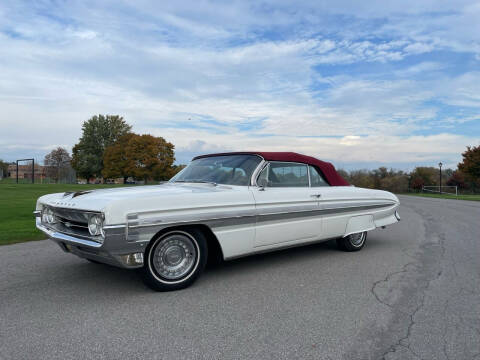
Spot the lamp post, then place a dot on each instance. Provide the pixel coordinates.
(440, 166)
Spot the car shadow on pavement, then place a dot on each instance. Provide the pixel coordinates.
(100, 276)
(294, 256)
(263, 261)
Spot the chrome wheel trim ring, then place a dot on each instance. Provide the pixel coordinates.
(174, 257)
(357, 239)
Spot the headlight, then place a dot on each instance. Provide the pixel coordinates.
(48, 217)
(44, 215)
(95, 225)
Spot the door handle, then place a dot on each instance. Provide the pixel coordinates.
(316, 196)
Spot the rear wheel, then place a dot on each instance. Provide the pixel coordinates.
(175, 259)
(352, 242)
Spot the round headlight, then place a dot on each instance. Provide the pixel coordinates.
(95, 225)
(50, 216)
(44, 215)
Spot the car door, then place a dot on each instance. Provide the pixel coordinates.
(330, 203)
(286, 206)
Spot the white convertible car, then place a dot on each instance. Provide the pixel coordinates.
(221, 206)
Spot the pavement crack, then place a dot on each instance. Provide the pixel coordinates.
(418, 275)
(386, 280)
(445, 331)
(403, 342)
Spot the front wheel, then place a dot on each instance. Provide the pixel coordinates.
(175, 260)
(352, 242)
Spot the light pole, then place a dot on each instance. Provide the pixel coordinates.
(440, 166)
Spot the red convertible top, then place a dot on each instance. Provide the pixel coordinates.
(328, 170)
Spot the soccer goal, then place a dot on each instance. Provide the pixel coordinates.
(25, 172)
(444, 189)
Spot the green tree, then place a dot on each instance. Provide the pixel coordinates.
(422, 175)
(470, 166)
(98, 133)
(378, 175)
(396, 183)
(362, 178)
(140, 156)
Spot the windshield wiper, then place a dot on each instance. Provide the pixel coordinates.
(197, 182)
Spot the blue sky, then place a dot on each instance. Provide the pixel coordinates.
(362, 84)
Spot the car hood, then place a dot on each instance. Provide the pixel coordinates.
(145, 198)
(120, 193)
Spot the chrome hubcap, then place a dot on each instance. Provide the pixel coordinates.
(357, 239)
(174, 256)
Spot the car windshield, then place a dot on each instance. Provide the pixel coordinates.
(226, 169)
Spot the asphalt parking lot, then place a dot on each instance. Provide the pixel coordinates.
(413, 292)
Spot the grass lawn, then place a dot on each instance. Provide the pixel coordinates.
(447, 196)
(17, 203)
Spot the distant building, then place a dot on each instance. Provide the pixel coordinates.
(25, 172)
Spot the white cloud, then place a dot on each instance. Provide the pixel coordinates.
(418, 48)
(85, 34)
(421, 68)
(463, 90)
(268, 74)
(394, 151)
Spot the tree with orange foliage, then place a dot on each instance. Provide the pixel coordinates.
(139, 156)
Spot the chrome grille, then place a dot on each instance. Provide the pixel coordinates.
(71, 222)
(76, 216)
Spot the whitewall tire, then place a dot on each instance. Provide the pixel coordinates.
(352, 242)
(175, 259)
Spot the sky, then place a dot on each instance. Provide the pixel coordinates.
(359, 83)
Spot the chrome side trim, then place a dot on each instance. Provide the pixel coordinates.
(329, 205)
(187, 219)
(254, 216)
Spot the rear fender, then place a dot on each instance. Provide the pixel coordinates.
(357, 224)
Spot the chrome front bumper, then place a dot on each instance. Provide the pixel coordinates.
(115, 250)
